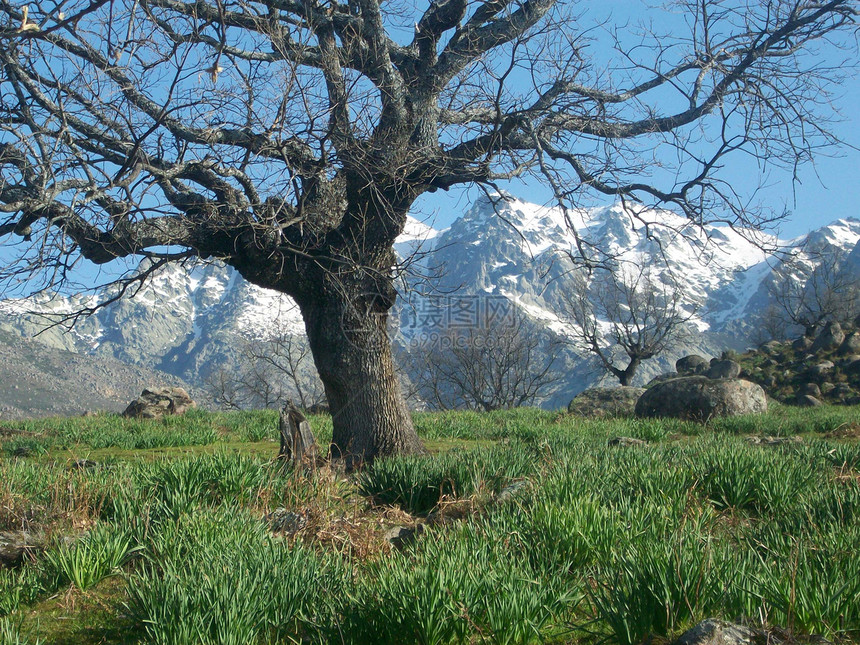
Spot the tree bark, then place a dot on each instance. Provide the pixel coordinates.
(626, 376)
(297, 440)
(349, 340)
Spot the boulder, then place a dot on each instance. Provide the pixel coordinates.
(768, 440)
(154, 404)
(807, 401)
(15, 546)
(402, 536)
(853, 367)
(830, 338)
(283, 521)
(692, 364)
(843, 390)
(802, 344)
(851, 344)
(662, 378)
(626, 441)
(701, 398)
(726, 368)
(606, 402)
(821, 368)
(811, 389)
(826, 387)
(718, 632)
(772, 347)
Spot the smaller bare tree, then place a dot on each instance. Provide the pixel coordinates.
(810, 289)
(771, 325)
(487, 367)
(624, 311)
(224, 390)
(286, 358)
(273, 370)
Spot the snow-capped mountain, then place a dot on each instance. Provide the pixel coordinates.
(183, 321)
(522, 251)
(191, 320)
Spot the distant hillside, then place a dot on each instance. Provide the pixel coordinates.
(43, 381)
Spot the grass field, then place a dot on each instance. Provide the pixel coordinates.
(534, 531)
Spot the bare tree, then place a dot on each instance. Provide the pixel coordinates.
(271, 372)
(285, 359)
(491, 366)
(289, 139)
(771, 325)
(223, 389)
(625, 309)
(810, 289)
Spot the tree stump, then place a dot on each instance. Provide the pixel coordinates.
(297, 441)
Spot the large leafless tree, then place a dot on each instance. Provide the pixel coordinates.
(625, 315)
(289, 138)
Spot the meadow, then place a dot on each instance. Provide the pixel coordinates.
(534, 529)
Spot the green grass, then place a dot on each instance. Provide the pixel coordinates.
(167, 543)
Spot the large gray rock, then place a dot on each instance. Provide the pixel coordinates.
(692, 364)
(606, 402)
(718, 632)
(155, 404)
(830, 338)
(701, 398)
(724, 369)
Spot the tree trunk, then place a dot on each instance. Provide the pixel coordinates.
(626, 376)
(352, 352)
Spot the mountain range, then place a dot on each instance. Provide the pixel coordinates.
(191, 320)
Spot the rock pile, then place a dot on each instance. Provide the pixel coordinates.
(807, 371)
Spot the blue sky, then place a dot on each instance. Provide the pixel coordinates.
(824, 191)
